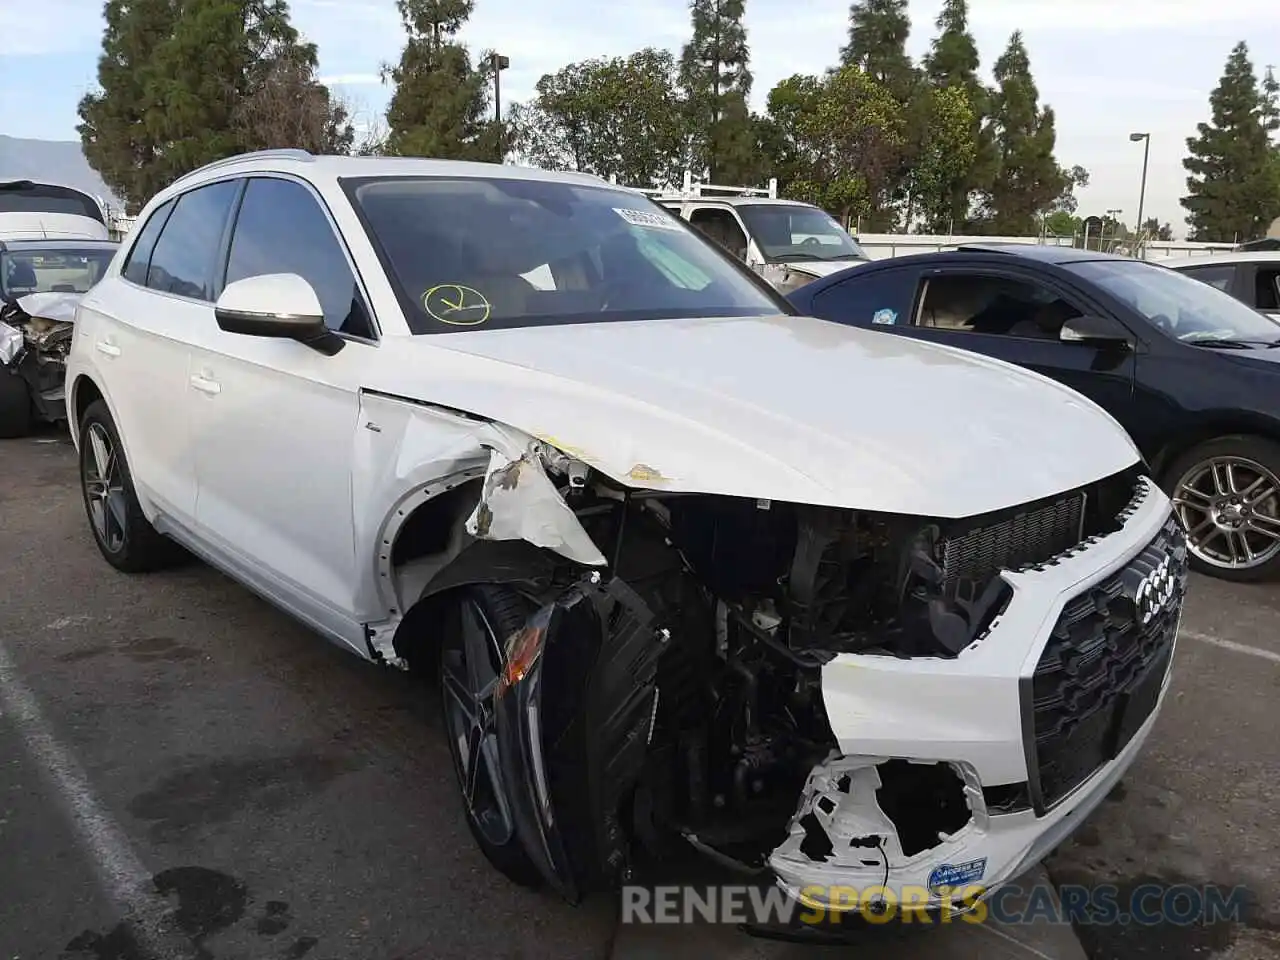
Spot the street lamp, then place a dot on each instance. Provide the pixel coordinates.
(1145, 138)
(498, 63)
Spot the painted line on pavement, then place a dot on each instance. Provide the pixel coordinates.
(120, 871)
(1231, 645)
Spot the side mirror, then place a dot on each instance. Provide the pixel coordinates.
(1099, 331)
(276, 305)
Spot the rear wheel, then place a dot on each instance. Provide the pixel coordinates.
(15, 405)
(471, 656)
(124, 535)
(1226, 493)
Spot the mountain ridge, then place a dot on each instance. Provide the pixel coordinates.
(54, 161)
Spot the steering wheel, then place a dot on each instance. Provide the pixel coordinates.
(1162, 321)
(810, 242)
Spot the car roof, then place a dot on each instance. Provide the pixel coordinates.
(1259, 256)
(58, 244)
(1042, 252)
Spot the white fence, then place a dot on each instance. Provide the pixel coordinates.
(881, 246)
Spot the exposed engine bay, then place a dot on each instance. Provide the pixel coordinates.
(35, 338)
(713, 722)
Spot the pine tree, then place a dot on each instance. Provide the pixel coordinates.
(878, 32)
(1029, 182)
(441, 102)
(716, 81)
(113, 130)
(953, 61)
(1233, 192)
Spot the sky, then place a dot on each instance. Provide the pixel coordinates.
(1108, 68)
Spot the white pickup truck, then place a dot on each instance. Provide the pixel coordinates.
(787, 242)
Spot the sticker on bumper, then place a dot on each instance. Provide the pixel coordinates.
(957, 874)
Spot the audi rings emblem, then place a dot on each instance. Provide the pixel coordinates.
(1155, 590)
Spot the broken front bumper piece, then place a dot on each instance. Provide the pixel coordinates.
(954, 777)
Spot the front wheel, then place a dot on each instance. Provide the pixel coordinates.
(15, 405)
(1226, 493)
(471, 656)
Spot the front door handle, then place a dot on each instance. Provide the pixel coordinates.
(110, 349)
(205, 385)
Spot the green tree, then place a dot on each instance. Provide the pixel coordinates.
(622, 117)
(779, 133)
(186, 83)
(113, 129)
(716, 81)
(1029, 182)
(851, 135)
(1233, 191)
(944, 160)
(952, 61)
(440, 107)
(878, 33)
(1061, 223)
(1155, 230)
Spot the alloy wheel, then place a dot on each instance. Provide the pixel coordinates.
(469, 677)
(1230, 508)
(104, 490)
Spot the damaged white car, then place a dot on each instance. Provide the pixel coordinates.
(836, 608)
(41, 282)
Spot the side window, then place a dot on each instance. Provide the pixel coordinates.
(135, 268)
(1219, 275)
(880, 298)
(997, 306)
(722, 227)
(185, 256)
(1267, 286)
(282, 229)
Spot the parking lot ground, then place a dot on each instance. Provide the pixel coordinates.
(172, 746)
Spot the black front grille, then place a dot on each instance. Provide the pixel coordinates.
(1030, 536)
(1101, 672)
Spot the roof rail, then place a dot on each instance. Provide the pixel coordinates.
(692, 191)
(283, 153)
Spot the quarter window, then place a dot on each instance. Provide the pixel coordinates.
(282, 229)
(135, 269)
(1219, 276)
(882, 298)
(722, 227)
(1267, 290)
(999, 306)
(184, 257)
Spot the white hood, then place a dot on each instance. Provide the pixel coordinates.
(821, 268)
(783, 408)
(50, 226)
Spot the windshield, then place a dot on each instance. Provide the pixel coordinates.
(473, 253)
(23, 196)
(785, 232)
(61, 269)
(1180, 306)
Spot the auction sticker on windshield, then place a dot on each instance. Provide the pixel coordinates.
(644, 218)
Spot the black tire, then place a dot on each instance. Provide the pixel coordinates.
(1242, 451)
(16, 415)
(505, 611)
(138, 548)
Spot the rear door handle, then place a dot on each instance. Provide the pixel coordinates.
(110, 349)
(205, 385)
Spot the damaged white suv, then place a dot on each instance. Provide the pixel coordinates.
(840, 608)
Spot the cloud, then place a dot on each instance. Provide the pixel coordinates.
(351, 79)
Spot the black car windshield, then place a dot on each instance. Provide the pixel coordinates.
(792, 232)
(29, 268)
(1181, 306)
(24, 196)
(485, 253)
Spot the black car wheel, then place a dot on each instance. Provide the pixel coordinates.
(124, 535)
(1226, 493)
(471, 657)
(15, 405)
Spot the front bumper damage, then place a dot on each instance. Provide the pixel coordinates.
(1036, 722)
(35, 338)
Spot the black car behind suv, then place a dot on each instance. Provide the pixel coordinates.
(1192, 373)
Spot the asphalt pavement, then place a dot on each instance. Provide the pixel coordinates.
(176, 753)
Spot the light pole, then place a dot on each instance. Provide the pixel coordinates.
(498, 63)
(1145, 138)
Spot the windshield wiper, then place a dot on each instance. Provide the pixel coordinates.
(1224, 343)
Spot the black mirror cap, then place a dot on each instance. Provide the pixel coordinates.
(310, 331)
(1094, 330)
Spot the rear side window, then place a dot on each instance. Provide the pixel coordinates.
(135, 268)
(883, 298)
(185, 256)
(1219, 276)
(282, 229)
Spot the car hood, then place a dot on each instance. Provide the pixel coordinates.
(781, 408)
(820, 268)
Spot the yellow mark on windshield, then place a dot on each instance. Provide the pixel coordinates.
(456, 305)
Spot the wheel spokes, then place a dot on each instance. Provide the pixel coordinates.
(1228, 506)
